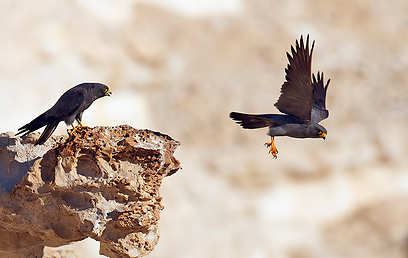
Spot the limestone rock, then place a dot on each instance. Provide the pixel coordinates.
(101, 182)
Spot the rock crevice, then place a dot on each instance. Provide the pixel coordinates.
(101, 182)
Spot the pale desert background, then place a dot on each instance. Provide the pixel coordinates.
(179, 67)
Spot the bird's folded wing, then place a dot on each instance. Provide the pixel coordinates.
(68, 103)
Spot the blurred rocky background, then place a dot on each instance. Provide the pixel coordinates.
(179, 67)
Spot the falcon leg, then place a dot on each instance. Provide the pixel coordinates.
(272, 148)
(74, 129)
(81, 125)
(79, 121)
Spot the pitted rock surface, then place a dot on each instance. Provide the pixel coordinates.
(101, 182)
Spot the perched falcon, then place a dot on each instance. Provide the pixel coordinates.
(69, 107)
(302, 100)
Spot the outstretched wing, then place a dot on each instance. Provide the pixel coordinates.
(296, 97)
(319, 111)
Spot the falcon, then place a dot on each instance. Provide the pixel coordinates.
(69, 107)
(302, 101)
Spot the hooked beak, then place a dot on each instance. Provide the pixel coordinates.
(108, 93)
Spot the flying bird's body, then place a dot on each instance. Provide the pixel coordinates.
(302, 100)
(69, 107)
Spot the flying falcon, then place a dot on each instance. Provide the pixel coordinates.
(302, 100)
(69, 107)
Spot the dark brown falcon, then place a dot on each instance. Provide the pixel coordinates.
(69, 107)
(302, 100)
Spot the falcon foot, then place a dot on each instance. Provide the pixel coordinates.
(272, 148)
(74, 128)
(77, 128)
(80, 126)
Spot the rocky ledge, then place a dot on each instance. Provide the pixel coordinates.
(101, 182)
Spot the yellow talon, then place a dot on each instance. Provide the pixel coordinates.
(78, 128)
(272, 148)
(80, 123)
(81, 126)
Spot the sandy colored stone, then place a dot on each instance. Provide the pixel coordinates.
(378, 230)
(59, 254)
(102, 182)
(184, 75)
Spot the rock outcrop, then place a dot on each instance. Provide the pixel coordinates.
(101, 182)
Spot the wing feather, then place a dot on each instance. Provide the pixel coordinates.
(319, 111)
(296, 97)
(68, 103)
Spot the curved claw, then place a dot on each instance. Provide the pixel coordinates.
(74, 128)
(272, 148)
(79, 127)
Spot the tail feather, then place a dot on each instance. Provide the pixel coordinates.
(248, 121)
(47, 132)
(37, 123)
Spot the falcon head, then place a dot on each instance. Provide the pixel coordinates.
(106, 91)
(317, 131)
